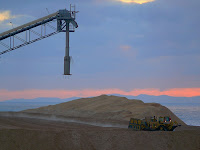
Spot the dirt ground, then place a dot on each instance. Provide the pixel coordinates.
(37, 134)
(98, 123)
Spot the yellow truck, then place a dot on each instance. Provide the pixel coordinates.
(153, 124)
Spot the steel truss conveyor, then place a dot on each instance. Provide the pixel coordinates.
(61, 21)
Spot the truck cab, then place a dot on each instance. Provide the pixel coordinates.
(164, 120)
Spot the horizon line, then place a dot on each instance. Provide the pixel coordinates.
(63, 94)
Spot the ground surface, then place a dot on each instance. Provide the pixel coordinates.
(98, 123)
(36, 134)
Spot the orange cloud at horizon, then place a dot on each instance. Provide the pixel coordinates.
(136, 1)
(31, 94)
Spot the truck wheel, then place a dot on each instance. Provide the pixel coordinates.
(161, 128)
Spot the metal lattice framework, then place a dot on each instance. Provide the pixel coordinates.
(61, 21)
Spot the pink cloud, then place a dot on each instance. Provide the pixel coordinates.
(30, 94)
(125, 47)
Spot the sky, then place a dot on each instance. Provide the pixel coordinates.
(128, 47)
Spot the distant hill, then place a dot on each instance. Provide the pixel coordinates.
(40, 100)
(146, 98)
(163, 99)
(23, 104)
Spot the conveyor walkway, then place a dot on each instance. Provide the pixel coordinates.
(61, 21)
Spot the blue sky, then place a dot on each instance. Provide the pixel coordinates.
(118, 45)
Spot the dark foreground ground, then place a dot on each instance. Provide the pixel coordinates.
(37, 134)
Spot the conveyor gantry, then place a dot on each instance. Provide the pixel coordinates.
(63, 19)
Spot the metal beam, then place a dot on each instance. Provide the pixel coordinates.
(28, 26)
